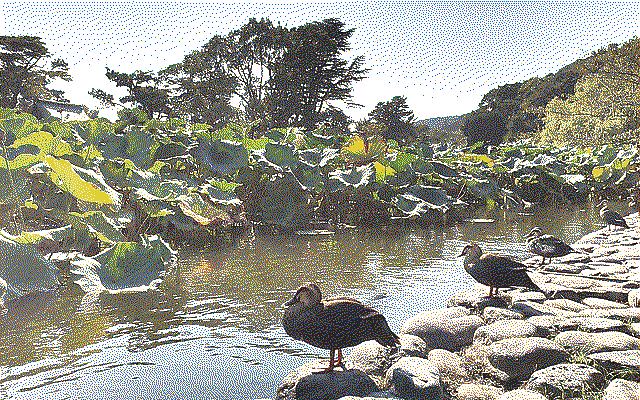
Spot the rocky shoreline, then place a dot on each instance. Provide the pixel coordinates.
(581, 339)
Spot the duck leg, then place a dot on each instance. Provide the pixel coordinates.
(331, 364)
(339, 360)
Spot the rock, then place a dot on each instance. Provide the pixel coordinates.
(578, 287)
(518, 358)
(493, 314)
(442, 329)
(590, 324)
(372, 396)
(589, 343)
(634, 298)
(547, 325)
(371, 358)
(621, 389)
(472, 391)
(303, 383)
(522, 394)
(602, 303)
(631, 314)
(618, 360)
(634, 329)
(451, 366)
(415, 378)
(517, 295)
(476, 299)
(529, 309)
(413, 346)
(566, 380)
(565, 304)
(500, 330)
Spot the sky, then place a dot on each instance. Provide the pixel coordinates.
(443, 56)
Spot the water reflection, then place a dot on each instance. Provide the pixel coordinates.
(214, 329)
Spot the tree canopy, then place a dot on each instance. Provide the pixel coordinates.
(397, 119)
(27, 69)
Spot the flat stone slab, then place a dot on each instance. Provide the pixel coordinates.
(415, 378)
(631, 314)
(530, 308)
(472, 391)
(628, 359)
(566, 380)
(547, 325)
(592, 302)
(412, 346)
(621, 389)
(449, 329)
(518, 358)
(522, 394)
(518, 295)
(566, 304)
(305, 383)
(590, 324)
(493, 314)
(476, 299)
(504, 329)
(590, 343)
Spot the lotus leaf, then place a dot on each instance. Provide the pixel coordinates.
(383, 171)
(435, 197)
(221, 192)
(124, 266)
(355, 177)
(24, 269)
(221, 157)
(443, 170)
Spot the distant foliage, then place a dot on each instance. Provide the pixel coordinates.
(397, 119)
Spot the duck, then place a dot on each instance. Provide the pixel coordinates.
(546, 246)
(334, 324)
(611, 217)
(495, 271)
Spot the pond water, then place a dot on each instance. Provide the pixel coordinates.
(214, 331)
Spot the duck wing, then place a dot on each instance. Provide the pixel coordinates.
(613, 218)
(550, 246)
(502, 271)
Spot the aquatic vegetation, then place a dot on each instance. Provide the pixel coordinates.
(105, 198)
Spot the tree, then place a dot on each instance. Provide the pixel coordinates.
(486, 127)
(202, 85)
(313, 73)
(397, 119)
(26, 69)
(146, 90)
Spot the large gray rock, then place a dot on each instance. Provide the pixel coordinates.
(634, 298)
(475, 299)
(565, 304)
(505, 329)
(547, 325)
(473, 391)
(415, 378)
(618, 360)
(602, 303)
(590, 324)
(522, 394)
(621, 389)
(530, 308)
(493, 314)
(634, 329)
(413, 346)
(451, 366)
(371, 358)
(589, 343)
(444, 329)
(566, 380)
(306, 383)
(518, 295)
(631, 314)
(518, 358)
(373, 396)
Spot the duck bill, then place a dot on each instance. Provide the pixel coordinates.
(290, 302)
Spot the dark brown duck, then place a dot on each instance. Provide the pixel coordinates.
(334, 324)
(495, 271)
(611, 217)
(547, 246)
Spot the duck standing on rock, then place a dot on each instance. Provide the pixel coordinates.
(547, 246)
(611, 217)
(495, 271)
(334, 324)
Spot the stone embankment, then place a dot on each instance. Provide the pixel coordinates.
(580, 339)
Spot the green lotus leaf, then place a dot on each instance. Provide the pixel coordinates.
(124, 266)
(435, 197)
(221, 192)
(443, 170)
(202, 212)
(96, 223)
(24, 269)
(221, 157)
(356, 177)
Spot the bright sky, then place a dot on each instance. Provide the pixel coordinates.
(442, 55)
